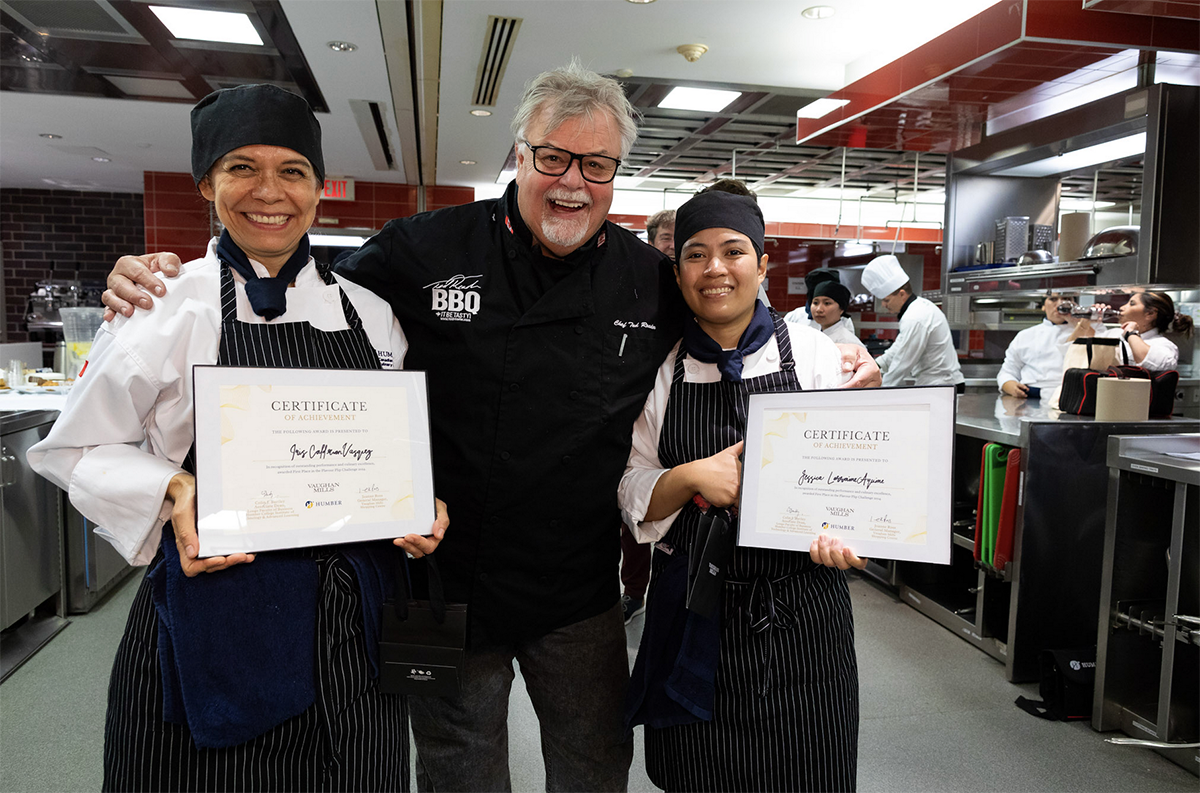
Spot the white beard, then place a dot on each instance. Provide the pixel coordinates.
(567, 232)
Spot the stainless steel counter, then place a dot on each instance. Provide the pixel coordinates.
(1146, 655)
(1005, 419)
(1057, 535)
(32, 606)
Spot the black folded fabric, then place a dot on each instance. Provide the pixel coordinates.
(267, 296)
(701, 346)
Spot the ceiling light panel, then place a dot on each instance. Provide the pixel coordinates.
(199, 25)
(707, 100)
(820, 107)
(1081, 158)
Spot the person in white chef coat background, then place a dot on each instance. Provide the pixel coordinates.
(252, 671)
(924, 349)
(1034, 359)
(1144, 319)
(828, 301)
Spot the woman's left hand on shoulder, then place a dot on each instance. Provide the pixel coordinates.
(830, 552)
(416, 545)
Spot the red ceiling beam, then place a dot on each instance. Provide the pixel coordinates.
(936, 97)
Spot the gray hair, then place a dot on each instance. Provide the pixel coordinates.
(572, 91)
(656, 221)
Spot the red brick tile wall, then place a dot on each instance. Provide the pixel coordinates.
(178, 218)
(66, 232)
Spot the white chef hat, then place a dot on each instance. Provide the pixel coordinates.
(884, 275)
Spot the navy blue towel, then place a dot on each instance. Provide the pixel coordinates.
(674, 677)
(237, 646)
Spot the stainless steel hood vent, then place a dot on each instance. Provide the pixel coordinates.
(370, 117)
(493, 60)
(981, 188)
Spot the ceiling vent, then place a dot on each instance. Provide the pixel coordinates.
(370, 117)
(497, 47)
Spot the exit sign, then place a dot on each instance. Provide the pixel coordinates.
(338, 190)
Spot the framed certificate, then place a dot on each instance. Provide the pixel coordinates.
(287, 458)
(871, 466)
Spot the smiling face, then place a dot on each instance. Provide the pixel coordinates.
(825, 310)
(267, 198)
(719, 274)
(565, 211)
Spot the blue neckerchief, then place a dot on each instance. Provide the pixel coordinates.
(267, 296)
(701, 346)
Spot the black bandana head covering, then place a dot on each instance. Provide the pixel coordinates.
(814, 277)
(717, 210)
(834, 291)
(253, 115)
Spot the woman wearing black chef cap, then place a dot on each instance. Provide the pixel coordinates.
(826, 307)
(828, 303)
(235, 672)
(763, 696)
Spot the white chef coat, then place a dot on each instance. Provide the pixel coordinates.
(127, 425)
(800, 315)
(840, 332)
(818, 365)
(924, 349)
(1035, 356)
(1162, 355)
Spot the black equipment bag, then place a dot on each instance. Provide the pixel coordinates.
(1068, 679)
(422, 642)
(1079, 391)
(1078, 394)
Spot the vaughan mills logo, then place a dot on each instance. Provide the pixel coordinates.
(456, 299)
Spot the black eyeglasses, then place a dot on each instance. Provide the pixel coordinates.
(595, 168)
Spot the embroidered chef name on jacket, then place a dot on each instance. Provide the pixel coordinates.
(455, 299)
(623, 323)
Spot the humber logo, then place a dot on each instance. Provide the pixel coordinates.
(455, 299)
(308, 505)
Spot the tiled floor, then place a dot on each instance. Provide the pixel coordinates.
(937, 715)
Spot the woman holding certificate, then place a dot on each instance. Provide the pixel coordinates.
(262, 672)
(776, 706)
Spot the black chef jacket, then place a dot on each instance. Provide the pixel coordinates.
(532, 406)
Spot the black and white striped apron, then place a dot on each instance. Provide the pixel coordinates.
(352, 738)
(785, 715)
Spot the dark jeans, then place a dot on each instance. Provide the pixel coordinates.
(635, 564)
(576, 676)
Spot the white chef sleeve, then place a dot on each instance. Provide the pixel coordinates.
(643, 470)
